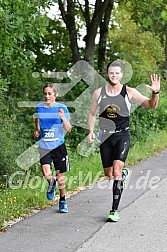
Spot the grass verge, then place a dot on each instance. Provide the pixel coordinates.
(28, 193)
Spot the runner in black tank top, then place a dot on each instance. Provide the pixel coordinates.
(115, 109)
(114, 101)
(114, 126)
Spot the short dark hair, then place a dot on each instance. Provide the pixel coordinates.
(115, 64)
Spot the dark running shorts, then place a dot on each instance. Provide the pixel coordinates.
(58, 156)
(115, 147)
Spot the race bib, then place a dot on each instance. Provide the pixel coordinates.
(50, 135)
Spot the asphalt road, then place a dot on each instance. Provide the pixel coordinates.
(143, 212)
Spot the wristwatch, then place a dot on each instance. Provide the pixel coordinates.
(156, 92)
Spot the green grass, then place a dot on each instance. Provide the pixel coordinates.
(154, 143)
(29, 190)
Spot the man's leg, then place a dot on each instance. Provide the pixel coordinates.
(116, 172)
(117, 186)
(113, 216)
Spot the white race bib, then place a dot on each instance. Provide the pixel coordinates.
(50, 135)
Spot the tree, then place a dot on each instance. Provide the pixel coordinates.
(19, 20)
(140, 48)
(94, 19)
(151, 16)
(52, 50)
(144, 51)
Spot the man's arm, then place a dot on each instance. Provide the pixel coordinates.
(138, 98)
(92, 115)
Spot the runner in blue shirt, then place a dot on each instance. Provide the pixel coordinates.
(52, 118)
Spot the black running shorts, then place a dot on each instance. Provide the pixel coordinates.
(58, 156)
(115, 147)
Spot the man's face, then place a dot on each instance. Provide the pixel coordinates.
(49, 95)
(114, 75)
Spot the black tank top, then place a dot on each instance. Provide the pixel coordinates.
(114, 110)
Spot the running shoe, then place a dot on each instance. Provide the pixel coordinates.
(50, 194)
(125, 174)
(63, 206)
(113, 216)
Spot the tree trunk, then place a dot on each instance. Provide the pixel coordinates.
(103, 35)
(69, 19)
(100, 9)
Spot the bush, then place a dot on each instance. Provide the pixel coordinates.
(144, 121)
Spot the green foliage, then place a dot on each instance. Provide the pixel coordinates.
(15, 135)
(161, 111)
(145, 53)
(152, 143)
(19, 20)
(151, 15)
(52, 51)
(144, 121)
(141, 49)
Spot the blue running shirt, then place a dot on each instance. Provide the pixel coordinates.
(51, 126)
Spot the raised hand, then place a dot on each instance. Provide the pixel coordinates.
(155, 83)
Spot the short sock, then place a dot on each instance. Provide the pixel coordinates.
(62, 198)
